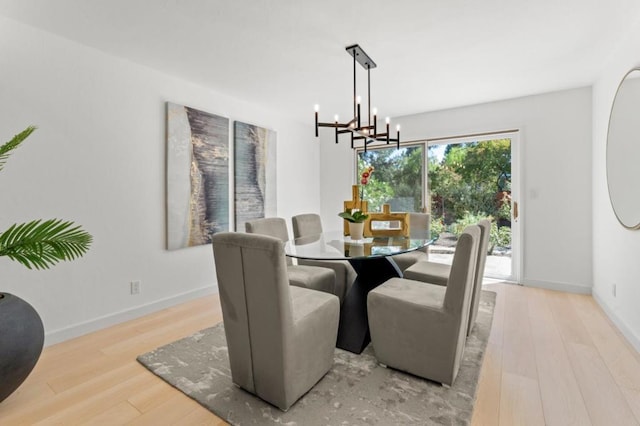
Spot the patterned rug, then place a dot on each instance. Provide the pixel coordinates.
(356, 391)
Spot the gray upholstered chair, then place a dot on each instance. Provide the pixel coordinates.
(418, 228)
(310, 224)
(438, 273)
(313, 277)
(281, 338)
(421, 328)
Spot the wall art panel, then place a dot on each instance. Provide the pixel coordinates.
(255, 173)
(197, 176)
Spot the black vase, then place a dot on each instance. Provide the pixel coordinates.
(21, 341)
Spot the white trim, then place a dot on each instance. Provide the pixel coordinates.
(517, 174)
(627, 332)
(66, 333)
(550, 285)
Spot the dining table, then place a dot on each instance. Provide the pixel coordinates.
(372, 260)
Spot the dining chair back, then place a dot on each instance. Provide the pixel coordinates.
(419, 224)
(310, 224)
(313, 277)
(421, 328)
(280, 338)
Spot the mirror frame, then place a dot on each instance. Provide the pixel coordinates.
(636, 222)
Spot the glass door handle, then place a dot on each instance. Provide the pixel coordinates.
(515, 210)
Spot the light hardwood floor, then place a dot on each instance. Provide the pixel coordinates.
(553, 358)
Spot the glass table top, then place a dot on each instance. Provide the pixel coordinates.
(336, 246)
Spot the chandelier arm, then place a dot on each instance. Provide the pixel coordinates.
(387, 134)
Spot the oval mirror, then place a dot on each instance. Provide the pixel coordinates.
(623, 151)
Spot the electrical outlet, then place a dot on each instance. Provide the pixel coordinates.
(613, 290)
(135, 287)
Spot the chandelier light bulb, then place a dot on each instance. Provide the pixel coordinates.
(358, 99)
(387, 120)
(375, 111)
(316, 107)
(336, 118)
(398, 128)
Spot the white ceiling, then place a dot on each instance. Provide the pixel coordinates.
(289, 54)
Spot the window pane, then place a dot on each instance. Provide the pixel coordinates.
(396, 179)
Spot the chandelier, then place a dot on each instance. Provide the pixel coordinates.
(368, 133)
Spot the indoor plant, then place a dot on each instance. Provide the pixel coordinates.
(355, 217)
(36, 244)
(356, 220)
(352, 216)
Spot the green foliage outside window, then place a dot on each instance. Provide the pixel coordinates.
(472, 181)
(467, 182)
(397, 178)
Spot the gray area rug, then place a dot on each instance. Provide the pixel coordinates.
(356, 391)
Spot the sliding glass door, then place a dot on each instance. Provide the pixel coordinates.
(459, 182)
(470, 180)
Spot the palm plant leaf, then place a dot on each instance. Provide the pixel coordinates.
(7, 147)
(40, 244)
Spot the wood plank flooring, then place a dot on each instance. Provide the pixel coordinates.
(552, 358)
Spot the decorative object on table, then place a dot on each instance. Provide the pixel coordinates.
(364, 178)
(197, 176)
(357, 390)
(355, 127)
(255, 173)
(356, 230)
(353, 227)
(356, 203)
(37, 244)
(355, 219)
(401, 219)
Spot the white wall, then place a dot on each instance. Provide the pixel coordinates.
(98, 158)
(615, 249)
(555, 138)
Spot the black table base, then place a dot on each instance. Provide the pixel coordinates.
(353, 331)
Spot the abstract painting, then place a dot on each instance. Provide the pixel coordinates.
(255, 173)
(197, 176)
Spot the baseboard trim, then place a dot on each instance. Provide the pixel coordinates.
(549, 285)
(631, 337)
(76, 330)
